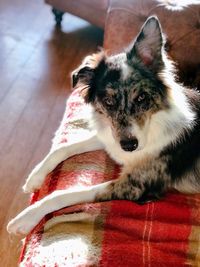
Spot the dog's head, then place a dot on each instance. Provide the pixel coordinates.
(126, 89)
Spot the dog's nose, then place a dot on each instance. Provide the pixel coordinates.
(129, 144)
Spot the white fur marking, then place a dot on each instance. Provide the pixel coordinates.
(37, 176)
(25, 221)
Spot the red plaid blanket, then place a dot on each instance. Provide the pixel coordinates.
(114, 233)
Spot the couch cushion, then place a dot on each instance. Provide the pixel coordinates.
(111, 233)
(180, 22)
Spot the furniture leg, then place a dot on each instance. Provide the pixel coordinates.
(58, 16)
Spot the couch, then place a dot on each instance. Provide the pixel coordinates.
(119, 233)
(121, 20)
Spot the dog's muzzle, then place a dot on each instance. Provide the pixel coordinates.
(129, 144)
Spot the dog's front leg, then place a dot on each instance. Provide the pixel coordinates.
(135, 185)
(147, 182)
(124, 187)
(37, 176)
(25, 221)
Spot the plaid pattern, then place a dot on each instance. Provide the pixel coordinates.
(113, 233)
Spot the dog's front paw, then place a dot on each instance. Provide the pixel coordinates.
(22, 224)
(32, 184)
(34, 180)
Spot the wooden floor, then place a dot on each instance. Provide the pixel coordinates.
(35, 63)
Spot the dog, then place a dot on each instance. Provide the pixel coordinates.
(142, 117)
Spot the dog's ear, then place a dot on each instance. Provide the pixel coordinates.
(85, 75)
(82, 75)
(148, 46)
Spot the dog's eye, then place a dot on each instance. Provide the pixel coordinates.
(108, 102)
(141, 97)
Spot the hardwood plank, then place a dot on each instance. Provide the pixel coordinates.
(35, 61)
